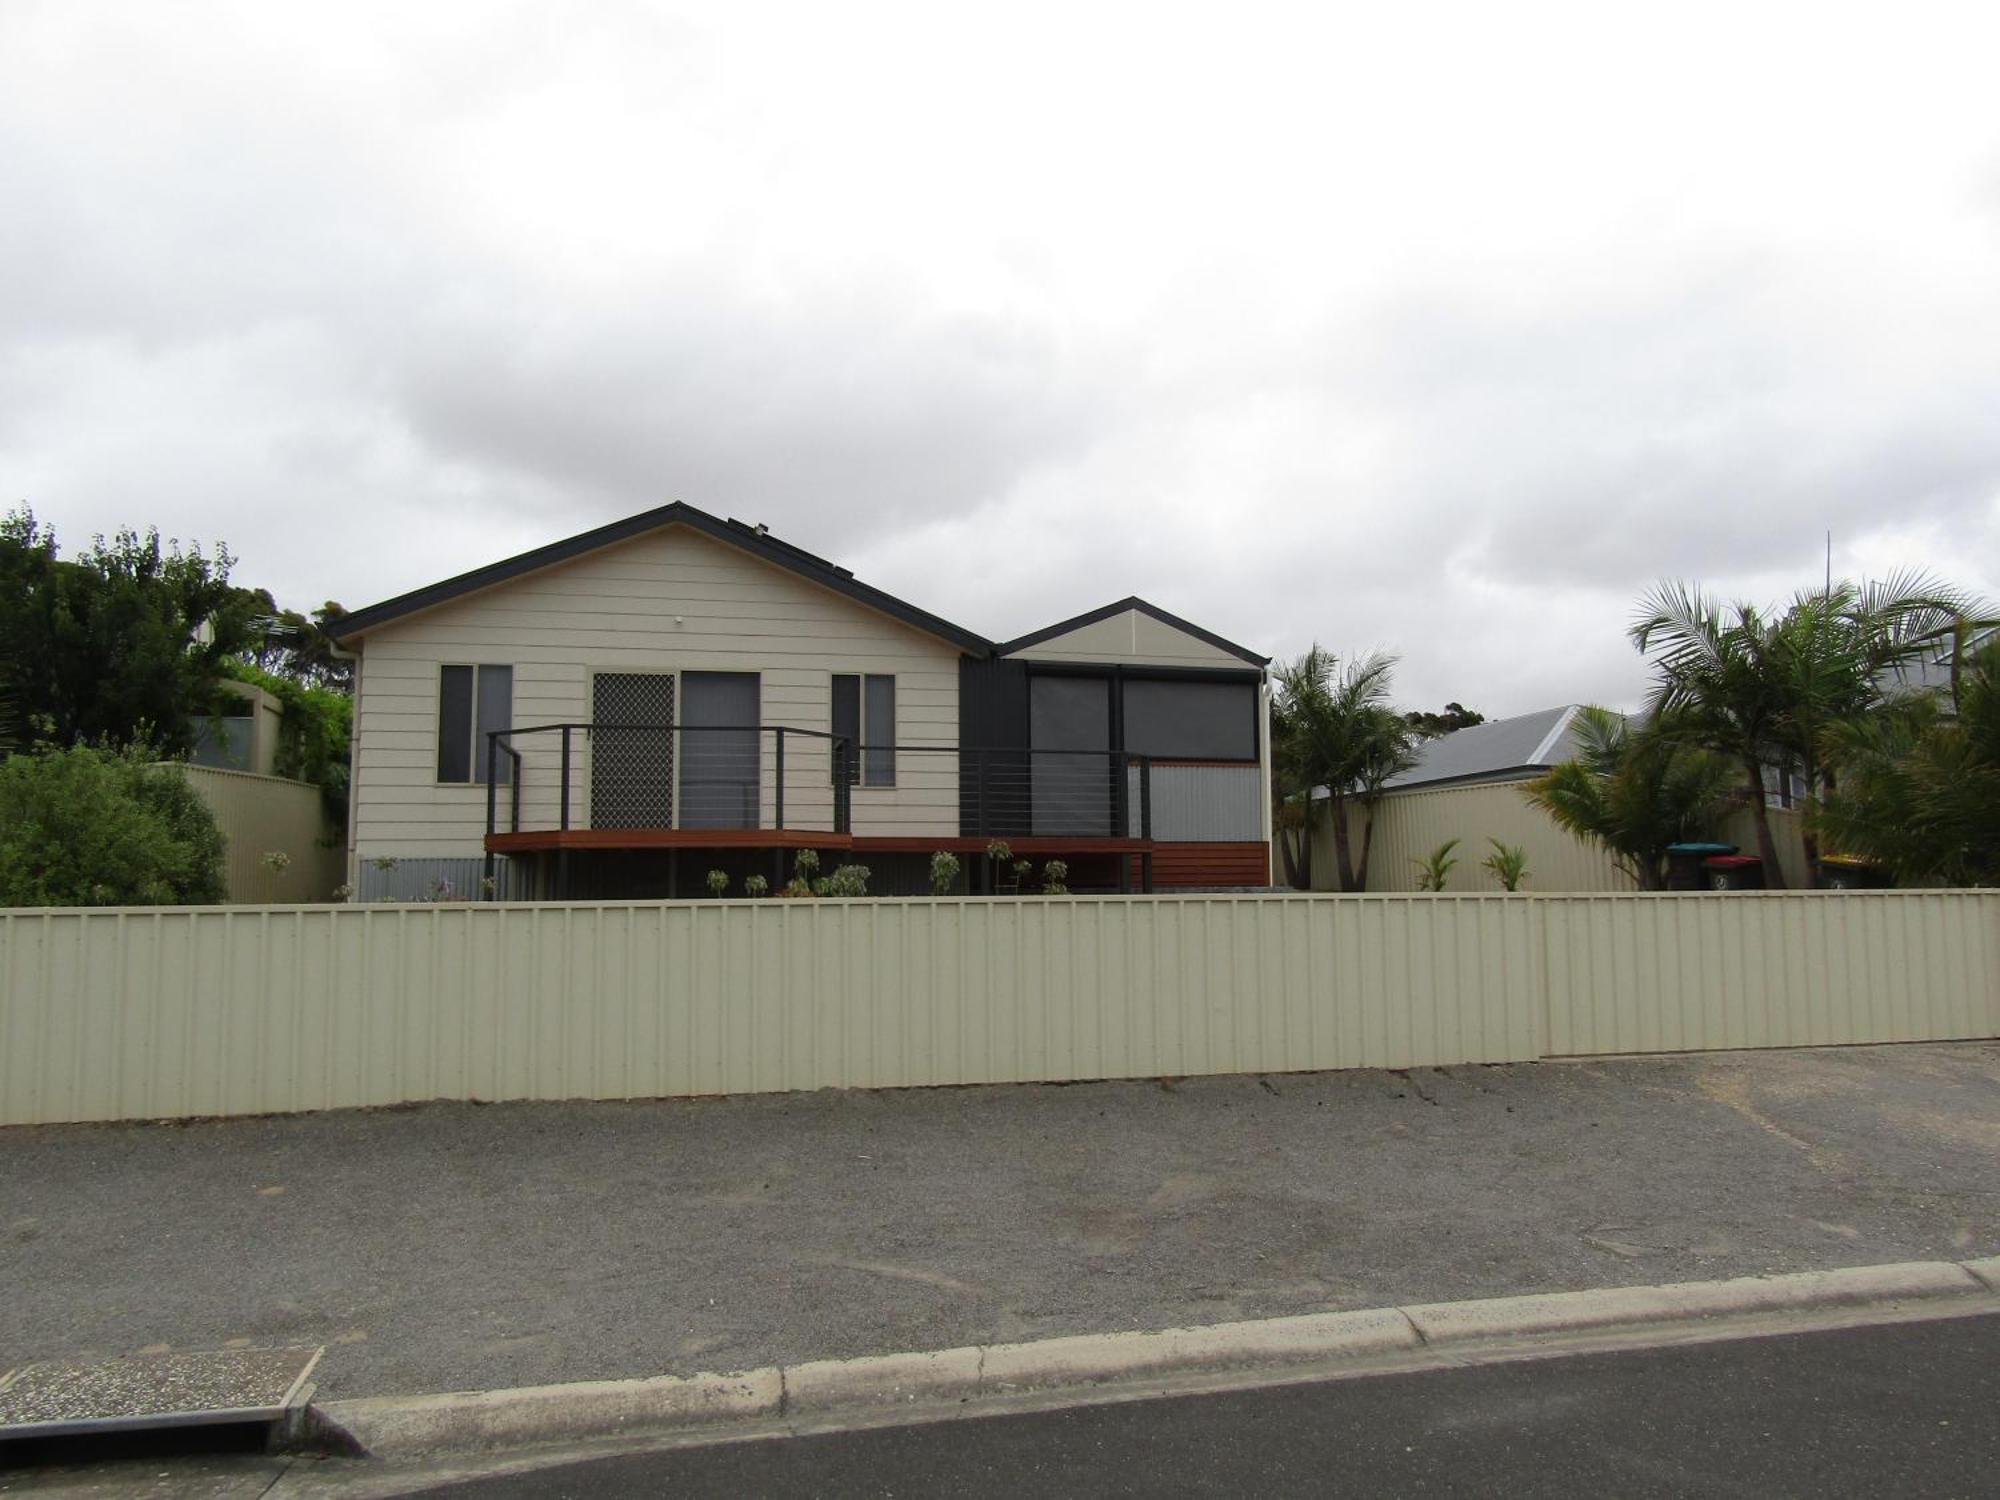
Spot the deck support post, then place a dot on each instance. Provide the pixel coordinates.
(1146, 872)
(562, 873)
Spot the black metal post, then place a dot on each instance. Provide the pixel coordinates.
(1145, 797)
(487, 868)
(514, 786)
(562, 873)
(1121, 821)
(1146, 872)
(565, 778)
(780, 812)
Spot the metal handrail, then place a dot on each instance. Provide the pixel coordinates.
(997, 784)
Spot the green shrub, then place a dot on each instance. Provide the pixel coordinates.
(944, 872)
(95, 827)
(1435, 868)
(846, 880)
(718, 882)
(1508, 864)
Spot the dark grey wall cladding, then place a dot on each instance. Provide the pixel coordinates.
(993, 734)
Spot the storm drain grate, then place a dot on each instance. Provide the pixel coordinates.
(62, 1398)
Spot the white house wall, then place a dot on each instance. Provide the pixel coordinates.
(670, 601)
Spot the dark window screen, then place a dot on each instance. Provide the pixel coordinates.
(1069, 713)
(454, 761)
(847, 725)
(496, 711)
(881, 736)
(1191, 720)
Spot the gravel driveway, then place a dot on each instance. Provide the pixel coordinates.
(451, 1246)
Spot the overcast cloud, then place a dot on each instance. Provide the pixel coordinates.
(1442, 328)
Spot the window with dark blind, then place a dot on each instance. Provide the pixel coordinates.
(1188, 720)
(846, 725)
(879, 732)
(472, 702)
(864, 715)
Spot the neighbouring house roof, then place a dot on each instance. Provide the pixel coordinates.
(1931, 672)
(1502, 750)
(1131, 605)
(754, 540)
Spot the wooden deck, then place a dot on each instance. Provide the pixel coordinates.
(794, 838)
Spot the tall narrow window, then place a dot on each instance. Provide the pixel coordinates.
(846, 725)
(864, 717)
(879, 732)
(472, 702)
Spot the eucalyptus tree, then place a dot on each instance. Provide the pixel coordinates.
(1332, 727)
(1632, 791)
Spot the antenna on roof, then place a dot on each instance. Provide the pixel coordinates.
(1829, 562)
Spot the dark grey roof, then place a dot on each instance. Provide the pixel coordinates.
(1495, 751)
(752, 539)
(1105, 612)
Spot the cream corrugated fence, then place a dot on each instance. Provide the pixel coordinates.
(175, 1013)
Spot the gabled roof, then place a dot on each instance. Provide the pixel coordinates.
(751, 539)
(1152, 611)
(1497, 751)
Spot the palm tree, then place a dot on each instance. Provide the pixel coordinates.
(1769, 689)
(1718, 687)
(1633, 791)
(1919, 792)
(1332, 726)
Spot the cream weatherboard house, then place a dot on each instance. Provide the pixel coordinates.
(617, 714)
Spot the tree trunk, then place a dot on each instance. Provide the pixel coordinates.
(1760, 818)
(1342, 856)
(1367, 843)
(1807, 809)
(1288, 861)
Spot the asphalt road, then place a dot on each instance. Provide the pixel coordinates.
(449, 1247)
(1905, 1409)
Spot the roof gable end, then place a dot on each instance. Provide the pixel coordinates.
(754, 540)
(1133, 605)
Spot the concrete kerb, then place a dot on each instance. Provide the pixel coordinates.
(399, 1427)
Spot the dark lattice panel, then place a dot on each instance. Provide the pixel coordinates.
(632, 769)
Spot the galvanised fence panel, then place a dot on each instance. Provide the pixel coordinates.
(177, 1013)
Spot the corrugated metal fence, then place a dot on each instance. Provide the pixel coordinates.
(188, 1012)
(265, 815)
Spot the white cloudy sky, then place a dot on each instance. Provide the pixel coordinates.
(1446, 328)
